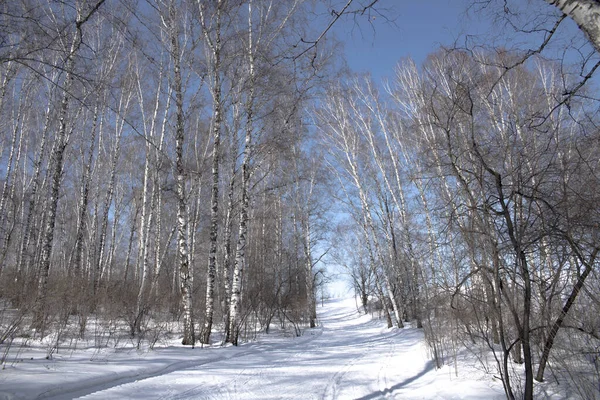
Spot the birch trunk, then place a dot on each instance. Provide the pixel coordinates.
(182, 215)
(57, 157)
(148, 196)
(22, 258)
(310, 278)
(585, 13)
(240, 252)
(227, 234)
(113, 239)
(8, 189)
(145, 222)
(215, 47)
(108, 198)
(371, 225)
(76, 266)
(56, 161)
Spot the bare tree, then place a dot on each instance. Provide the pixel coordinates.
(61, 141)
(212, 35)
(182, 213)
(340, 121)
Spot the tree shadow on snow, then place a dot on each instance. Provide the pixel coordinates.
(376, 395)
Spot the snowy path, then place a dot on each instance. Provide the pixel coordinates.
(350, 356)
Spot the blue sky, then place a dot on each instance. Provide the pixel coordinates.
(417, 28)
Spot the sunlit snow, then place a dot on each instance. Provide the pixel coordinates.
(349, 356)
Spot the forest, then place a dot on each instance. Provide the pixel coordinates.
(189, 167)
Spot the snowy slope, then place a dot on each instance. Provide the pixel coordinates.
(351, 356)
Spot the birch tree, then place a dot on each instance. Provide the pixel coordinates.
(154, 131)
(341, 129)
(267, 22)
(182, 213)
(61, 141)
(212, 37)
(8, 188)
(585, 13)
(502, 148)
(240, 256)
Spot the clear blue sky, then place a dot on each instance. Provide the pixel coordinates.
(416, 29)
(419, 27)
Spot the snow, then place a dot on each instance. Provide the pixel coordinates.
(349, 356)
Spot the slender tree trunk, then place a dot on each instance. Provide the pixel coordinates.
(561, 317)
(8, 188)
(227, 234)
(130, 246)
(147, 196)
(310, 278)
(240, 259)
(108, 200)
(240, 252)
(76, 266)
(22, 258)
(145, 222)
(108, 270)
(182, 214)
(215, 46)
(56, 163)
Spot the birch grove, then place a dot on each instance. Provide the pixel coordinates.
(196, 168)
(113, 153)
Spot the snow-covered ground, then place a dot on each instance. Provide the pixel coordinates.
(350, 356)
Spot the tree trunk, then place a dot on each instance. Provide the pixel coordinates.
(240, 251)
(586, 14)
(182, 215)
(228, 231)
(76, 266)
(56, 163)
(22, 258)
(108, 200)
(215, 46)
(565, 310)
(8, 188)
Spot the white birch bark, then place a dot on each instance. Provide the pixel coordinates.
(214, 44)
(310, 277)
(60, 145)
(10, 165)
(182, 214)
(8, 188)
(240, 255)
(228, 231)
(108, 198)
(126, 273)
(108, 270)
(142, 261)
(344, 138)
(586, 14)
(148, 197)
(77, 259)
(23, 256)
